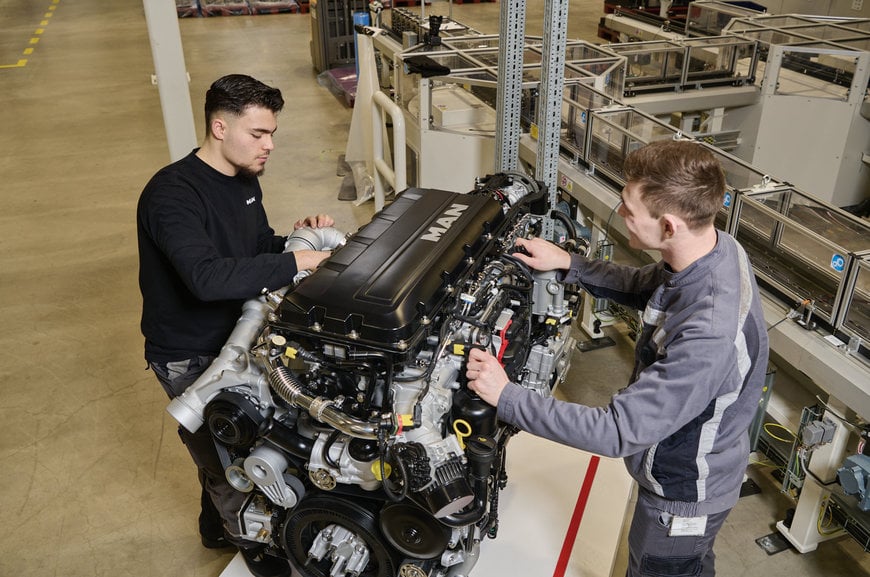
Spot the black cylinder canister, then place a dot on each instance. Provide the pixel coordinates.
(481, 452)
(470, 408)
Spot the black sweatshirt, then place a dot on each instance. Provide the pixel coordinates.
(205, 246)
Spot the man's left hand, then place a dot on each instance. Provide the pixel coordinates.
(318, 221)
(486, 377)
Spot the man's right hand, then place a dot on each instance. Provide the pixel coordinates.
(542, 255)
(486, 376)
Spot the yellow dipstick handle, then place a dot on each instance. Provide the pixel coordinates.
(462, 430)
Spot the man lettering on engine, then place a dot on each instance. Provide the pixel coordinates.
(205, 247)
(700, 361)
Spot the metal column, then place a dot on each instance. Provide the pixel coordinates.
(550, 108)
(512, 38)
(171, 74)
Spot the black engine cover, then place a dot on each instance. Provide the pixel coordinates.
(395, 271)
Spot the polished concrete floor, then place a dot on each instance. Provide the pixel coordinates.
(95, 481)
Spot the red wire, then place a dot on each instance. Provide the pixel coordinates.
(504, 341)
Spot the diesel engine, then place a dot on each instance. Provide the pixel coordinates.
(340, 405)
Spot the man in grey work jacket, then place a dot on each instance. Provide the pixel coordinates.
(700, 361)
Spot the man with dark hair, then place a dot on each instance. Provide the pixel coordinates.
(205, 246)
(700, 361)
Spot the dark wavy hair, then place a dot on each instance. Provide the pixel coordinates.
(236, 92)
(679, 177)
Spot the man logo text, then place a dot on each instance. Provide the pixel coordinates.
(444, 222)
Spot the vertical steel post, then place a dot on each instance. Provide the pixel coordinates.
(549, 117)
(512, 39)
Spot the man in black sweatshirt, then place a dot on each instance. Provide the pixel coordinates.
(205, 246)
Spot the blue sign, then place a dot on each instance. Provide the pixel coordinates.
(727, 201)
(838, 263)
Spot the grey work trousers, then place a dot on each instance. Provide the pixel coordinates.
(655, 553)
(220, 502)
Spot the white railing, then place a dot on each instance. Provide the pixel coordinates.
(395, 175)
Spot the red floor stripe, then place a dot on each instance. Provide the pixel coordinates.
(574, 525)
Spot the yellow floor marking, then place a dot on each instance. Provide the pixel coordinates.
(34, 40)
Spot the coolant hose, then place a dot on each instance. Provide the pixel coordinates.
(475, 514)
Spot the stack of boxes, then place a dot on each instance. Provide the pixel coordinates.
(189, 8)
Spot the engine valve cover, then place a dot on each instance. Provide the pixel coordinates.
(381, 287)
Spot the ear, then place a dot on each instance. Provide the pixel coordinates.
(670, 226)
(218, 128)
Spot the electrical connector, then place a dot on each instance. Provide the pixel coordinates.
(818, 433)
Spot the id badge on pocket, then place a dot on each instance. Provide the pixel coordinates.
(688, 526)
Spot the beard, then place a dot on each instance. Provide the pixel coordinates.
(250, 172)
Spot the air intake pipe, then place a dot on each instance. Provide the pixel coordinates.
(232, 367)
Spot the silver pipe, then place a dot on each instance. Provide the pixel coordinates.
(288, 388)
(232, 366)
(326, 238)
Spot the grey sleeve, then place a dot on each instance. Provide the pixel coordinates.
(627, 285)
(570, 424)
(664, 398)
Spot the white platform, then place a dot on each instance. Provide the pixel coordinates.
(535, 512)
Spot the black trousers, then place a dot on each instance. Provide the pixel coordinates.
(220, 502)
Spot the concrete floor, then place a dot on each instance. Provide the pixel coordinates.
(95, 481)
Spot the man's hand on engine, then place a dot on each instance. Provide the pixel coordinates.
(317, 221)
(542, 255)
(486, 377)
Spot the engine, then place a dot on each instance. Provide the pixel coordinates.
(340, 404)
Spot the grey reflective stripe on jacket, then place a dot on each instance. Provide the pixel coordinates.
(710, 428)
